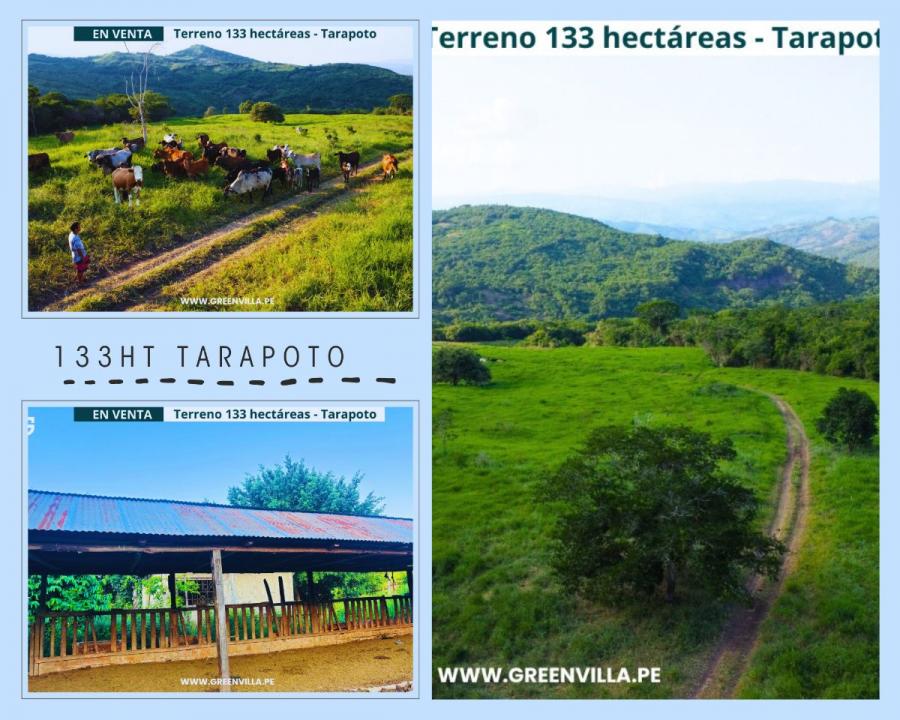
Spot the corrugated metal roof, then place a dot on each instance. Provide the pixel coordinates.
(50, 511)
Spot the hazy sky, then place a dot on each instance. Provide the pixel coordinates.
(393, 48)
(200, 461)
(582, 125)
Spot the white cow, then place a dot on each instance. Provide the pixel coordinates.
(299, 159)
(311, 160)
(110, 159)
(249, 180)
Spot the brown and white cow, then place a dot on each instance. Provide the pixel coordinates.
(127, 182)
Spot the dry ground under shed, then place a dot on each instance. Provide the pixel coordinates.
(333, 668)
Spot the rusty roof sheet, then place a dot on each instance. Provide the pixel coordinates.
(65, 512)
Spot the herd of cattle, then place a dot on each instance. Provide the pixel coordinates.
(243, 176)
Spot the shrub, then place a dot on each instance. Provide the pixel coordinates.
(457, 365)
(644, 510)
(552, 336)
(266, 112)
(850, 419)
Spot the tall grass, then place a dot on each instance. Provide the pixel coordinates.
(171, 211)
(355, 257)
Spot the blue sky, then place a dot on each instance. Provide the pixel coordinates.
(600, 126)
(199, 461)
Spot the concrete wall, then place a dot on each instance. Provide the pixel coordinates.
(249, 588)
(243, 587)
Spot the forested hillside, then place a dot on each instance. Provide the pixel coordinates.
(200, 77)
(507, 263)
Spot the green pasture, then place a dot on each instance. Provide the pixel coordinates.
(358, 256)
(496, 601)
(171, 211)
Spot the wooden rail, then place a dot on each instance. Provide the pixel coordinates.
(72, 634)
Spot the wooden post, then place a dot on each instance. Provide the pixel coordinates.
(271, 623)
(309, 585)
(173, 603)
(283, 630)
(221, 621)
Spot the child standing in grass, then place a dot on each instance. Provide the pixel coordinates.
(80, 257)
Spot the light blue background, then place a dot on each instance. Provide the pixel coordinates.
(393, 347)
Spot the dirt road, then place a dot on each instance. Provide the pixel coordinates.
(741, 636)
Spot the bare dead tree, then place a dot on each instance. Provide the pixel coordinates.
(137, 86)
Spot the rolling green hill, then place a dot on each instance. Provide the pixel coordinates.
(505, 263)
(199, 77)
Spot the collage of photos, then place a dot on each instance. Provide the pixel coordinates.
(251, 555)
(220, 168)
(464, 364)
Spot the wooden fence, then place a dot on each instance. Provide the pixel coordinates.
(72, 634)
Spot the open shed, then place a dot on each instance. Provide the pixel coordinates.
(70, 534)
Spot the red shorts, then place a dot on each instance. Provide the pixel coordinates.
(83, 265)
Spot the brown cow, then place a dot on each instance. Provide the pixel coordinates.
(65, 137)
(171, 168)
(195, 168)
(128, 182)
(173, 154)
(231, 162)
(137, 143)
(388, 166)
(38, 161)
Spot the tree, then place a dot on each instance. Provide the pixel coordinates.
(457, 365)
(245, 107)
(209, 112)
(33, 96)
(850, 418)
(266, 112)
(647, 510)
(295, 486)
(658, 314)
(136, 89)
(402, 102)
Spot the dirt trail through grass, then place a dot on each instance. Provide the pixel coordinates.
(137, 284)
(732, 655)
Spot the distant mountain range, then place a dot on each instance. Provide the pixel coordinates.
(495, 262)
(854, 240)
(712, 212)
(200, 77)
